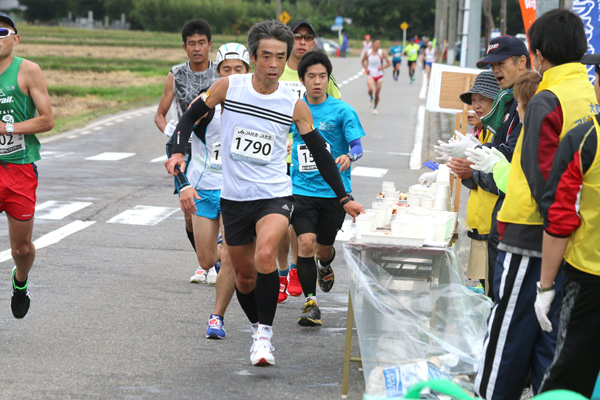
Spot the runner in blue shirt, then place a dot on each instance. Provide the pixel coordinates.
(317, 215)
(396, 53)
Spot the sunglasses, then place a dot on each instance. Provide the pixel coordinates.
(5, 32)
(308, 37)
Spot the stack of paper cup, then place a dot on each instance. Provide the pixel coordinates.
(388, 186)
(443, 175)
(441, 196)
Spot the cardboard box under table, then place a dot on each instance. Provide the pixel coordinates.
(414, 316)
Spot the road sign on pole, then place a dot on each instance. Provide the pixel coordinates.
(404, 27)
(284, 17)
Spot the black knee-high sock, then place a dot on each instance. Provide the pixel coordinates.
(307, 275)
(190, 236)
(266, 294)
(248, 304)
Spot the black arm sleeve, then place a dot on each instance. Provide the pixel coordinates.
(325, 162)
(186, 124)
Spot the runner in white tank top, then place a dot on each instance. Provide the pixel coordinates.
(374, 62)
(254, 129)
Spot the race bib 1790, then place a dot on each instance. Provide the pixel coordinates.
(252, 146)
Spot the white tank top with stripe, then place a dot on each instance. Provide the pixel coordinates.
(374, 61)
(205, 169)
(254, 131)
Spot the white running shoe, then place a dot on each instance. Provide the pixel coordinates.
(199, 276)
(374, 111)
(262, 352)
(211, 276)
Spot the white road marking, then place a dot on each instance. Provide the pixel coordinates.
(110, 156)
(86, 132)
(98, 128)
(143, 215)
(58, 209)
(415, 155)
(423, 91)
(52, 237)
(72, 137)
(369, 172)
(346, 81)
(54, 154)
(159, 159)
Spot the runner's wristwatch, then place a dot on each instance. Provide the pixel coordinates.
(541, 289)
(346, 200)
(10, 128)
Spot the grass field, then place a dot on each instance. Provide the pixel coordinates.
(95, 72)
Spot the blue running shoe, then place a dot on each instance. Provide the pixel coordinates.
(215, 327)
(220, 239)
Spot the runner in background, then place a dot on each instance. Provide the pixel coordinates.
(304, 41)
(183, 84)
(411, 51)
(429, 56)
(366, 46)
(374, 62)
(317, 215)
(396, 53)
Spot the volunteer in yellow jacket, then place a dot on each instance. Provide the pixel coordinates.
(516, 346)
(572, 232)
(304, 41)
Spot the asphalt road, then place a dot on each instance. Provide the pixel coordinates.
(113, 314)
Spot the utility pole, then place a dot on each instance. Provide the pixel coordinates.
(443, 23)
(452, 16)
(474, 36)
(545, 5)
(503, 17)
(278, 9)
(438, 17)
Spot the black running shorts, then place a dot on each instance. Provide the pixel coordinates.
(240, 217)
(320, 215)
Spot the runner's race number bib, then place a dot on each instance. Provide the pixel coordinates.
(215, 156)
(252, 146)
(296, 87)
(306, 162)
(10, 143)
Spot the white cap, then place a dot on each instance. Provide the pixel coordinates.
(233, 51)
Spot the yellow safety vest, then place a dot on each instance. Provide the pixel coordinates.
(481, 203)
(583, 251)
(570, 83)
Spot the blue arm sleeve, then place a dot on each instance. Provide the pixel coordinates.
(356, 149)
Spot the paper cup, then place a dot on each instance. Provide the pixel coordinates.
(413, 199)
(364, 224)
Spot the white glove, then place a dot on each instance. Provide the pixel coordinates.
(428, 178)
(442, 156)
(170, 128)
(456, 148)
(484, 158)
(543, 301)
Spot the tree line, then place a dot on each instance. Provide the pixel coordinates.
(381, 18)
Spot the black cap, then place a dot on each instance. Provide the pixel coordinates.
(501, 48)
(297, 24)
(7, 19)
(591, 59)
(485, 84)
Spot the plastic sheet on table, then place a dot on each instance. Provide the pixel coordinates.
(414, 326)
